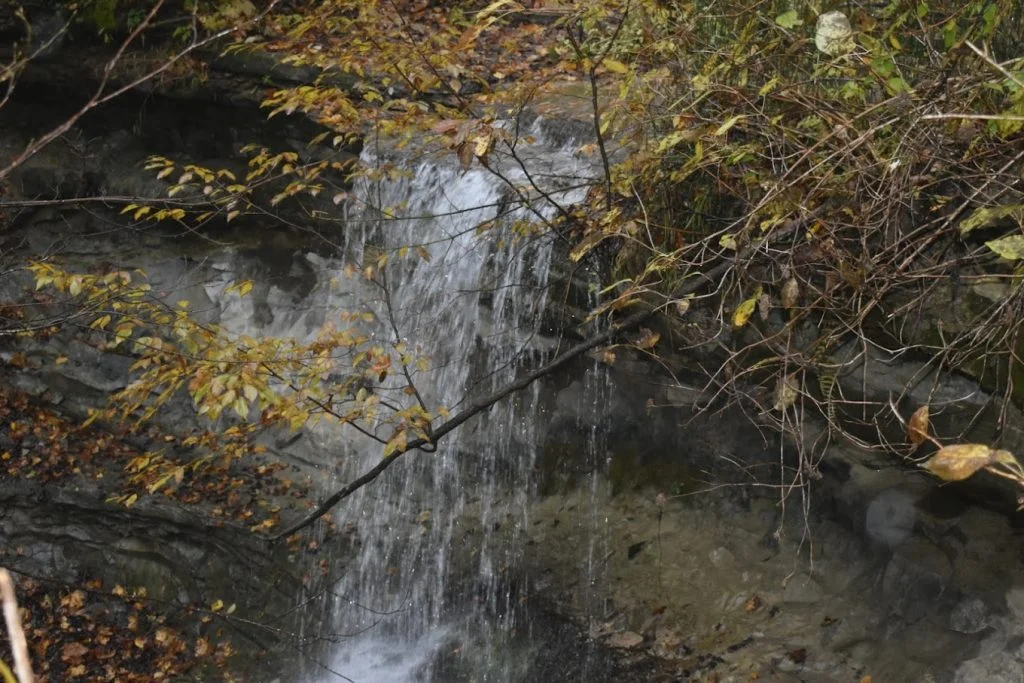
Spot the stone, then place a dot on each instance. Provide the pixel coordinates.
(833, 34)
(915, 579)
(890, 518)
(999, 667)
(970, 616)
(721, 558)
(802, 589)
(1015, 601)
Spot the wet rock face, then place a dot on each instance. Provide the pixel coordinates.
(67, 532)
(646, 428)
(970, 616)
(890, 517)
(999, 668)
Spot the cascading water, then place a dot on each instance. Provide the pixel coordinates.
(473, 308)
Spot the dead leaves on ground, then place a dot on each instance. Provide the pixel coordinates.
(90, 634)
(39, 444)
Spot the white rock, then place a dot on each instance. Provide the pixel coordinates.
(626, 640)
(833, 34)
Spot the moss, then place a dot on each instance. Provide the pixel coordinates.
(102, 15)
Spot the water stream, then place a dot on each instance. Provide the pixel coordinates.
(468, 293)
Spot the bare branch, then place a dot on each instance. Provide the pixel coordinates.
(15, 633)
(480, 405)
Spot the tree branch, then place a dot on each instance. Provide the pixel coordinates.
(482, 404)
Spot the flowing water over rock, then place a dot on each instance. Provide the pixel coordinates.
(466, 286)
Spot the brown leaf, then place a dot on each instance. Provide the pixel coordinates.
(465, 154)
(790, 294)
(648, 339)
(73, 652)
(917, 428)
(960, 461)
(447, 126)
(73, 601)
(786, 392)
(764, 306)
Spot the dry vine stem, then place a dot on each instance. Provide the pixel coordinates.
(16, 635)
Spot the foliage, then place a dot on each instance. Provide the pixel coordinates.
(825, 190)
(786, 195)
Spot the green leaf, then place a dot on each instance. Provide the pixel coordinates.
(988, 215)
(1011, 248)
(789, 19)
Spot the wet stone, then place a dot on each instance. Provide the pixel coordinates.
(970, 616)
(997, 668)
(802, 589)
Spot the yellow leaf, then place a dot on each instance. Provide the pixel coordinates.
(397, 444)
(615, 66)
(746, 309)
(482, 145)
(724, 128)
(958, 462)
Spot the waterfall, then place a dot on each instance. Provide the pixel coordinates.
(474, 310)
(471, 300)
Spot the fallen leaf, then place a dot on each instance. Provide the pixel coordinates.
(73, 651)
(790, 294)
(745, 310)
(960, 461)
(786, 392)
(917, 428)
